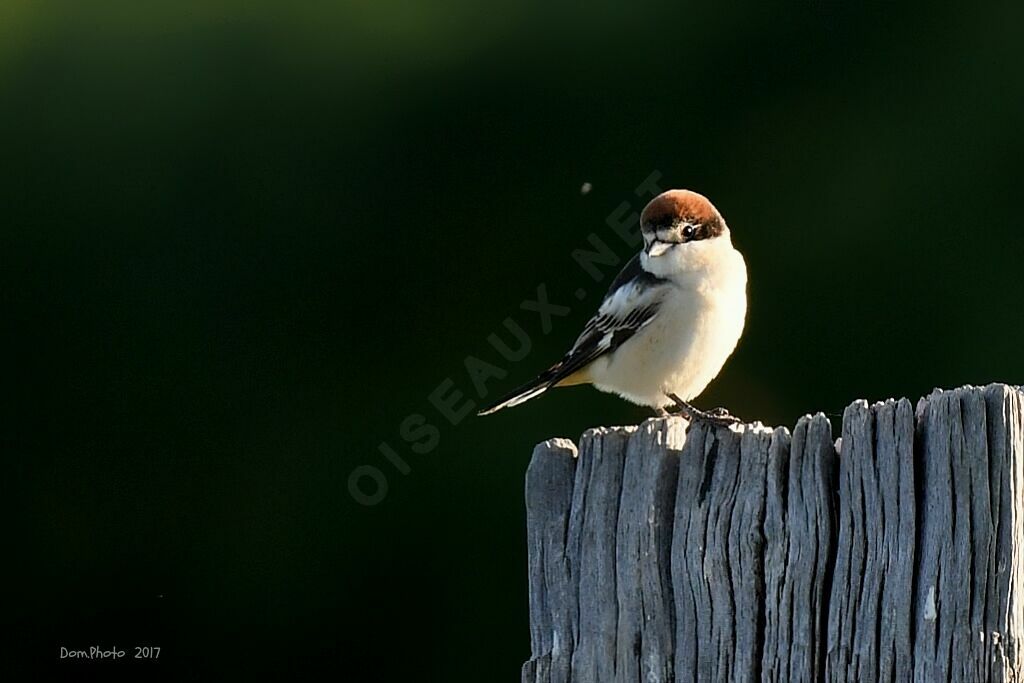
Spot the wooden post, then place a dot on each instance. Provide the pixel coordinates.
(751, 554)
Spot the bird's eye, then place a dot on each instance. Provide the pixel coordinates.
(689, 231)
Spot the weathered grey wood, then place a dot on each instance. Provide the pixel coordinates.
(968, 625)
(696, 633)
(549, 491)
(661, 554)
(717, 554)
(799, 544)
(591, 551)
(643, 553)
(869, 616)
(1004, 618)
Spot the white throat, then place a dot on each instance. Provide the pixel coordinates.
(684, 261)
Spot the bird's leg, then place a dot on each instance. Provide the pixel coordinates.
(683, 407)
(670, 409)
(720, 417)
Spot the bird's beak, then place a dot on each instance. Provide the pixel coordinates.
(657, 248)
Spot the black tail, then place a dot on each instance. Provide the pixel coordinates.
(531, 389)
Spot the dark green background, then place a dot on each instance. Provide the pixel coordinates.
(242, 242)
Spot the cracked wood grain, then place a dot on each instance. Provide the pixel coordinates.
(549, 491)
(966, 610)
(593, 523)
(643, 553)
(717, 554)
(869, 617)
(666, 552)
(799, 534)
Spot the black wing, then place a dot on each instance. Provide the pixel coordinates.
(632, 302)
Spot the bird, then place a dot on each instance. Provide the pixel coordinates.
(669, 320)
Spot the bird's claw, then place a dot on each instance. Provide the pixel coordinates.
(718, 417)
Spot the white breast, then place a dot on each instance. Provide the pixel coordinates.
(695, 331)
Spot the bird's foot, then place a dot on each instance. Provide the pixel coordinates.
(724, 414)
(719, 417)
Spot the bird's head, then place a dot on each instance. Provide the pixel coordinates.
(678, 217)
(681, 229)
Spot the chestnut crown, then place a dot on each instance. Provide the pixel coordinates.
(684, 212)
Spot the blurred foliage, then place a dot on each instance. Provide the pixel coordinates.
(243, 241)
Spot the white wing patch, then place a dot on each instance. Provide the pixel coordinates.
(631, 304)
(627, 310)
